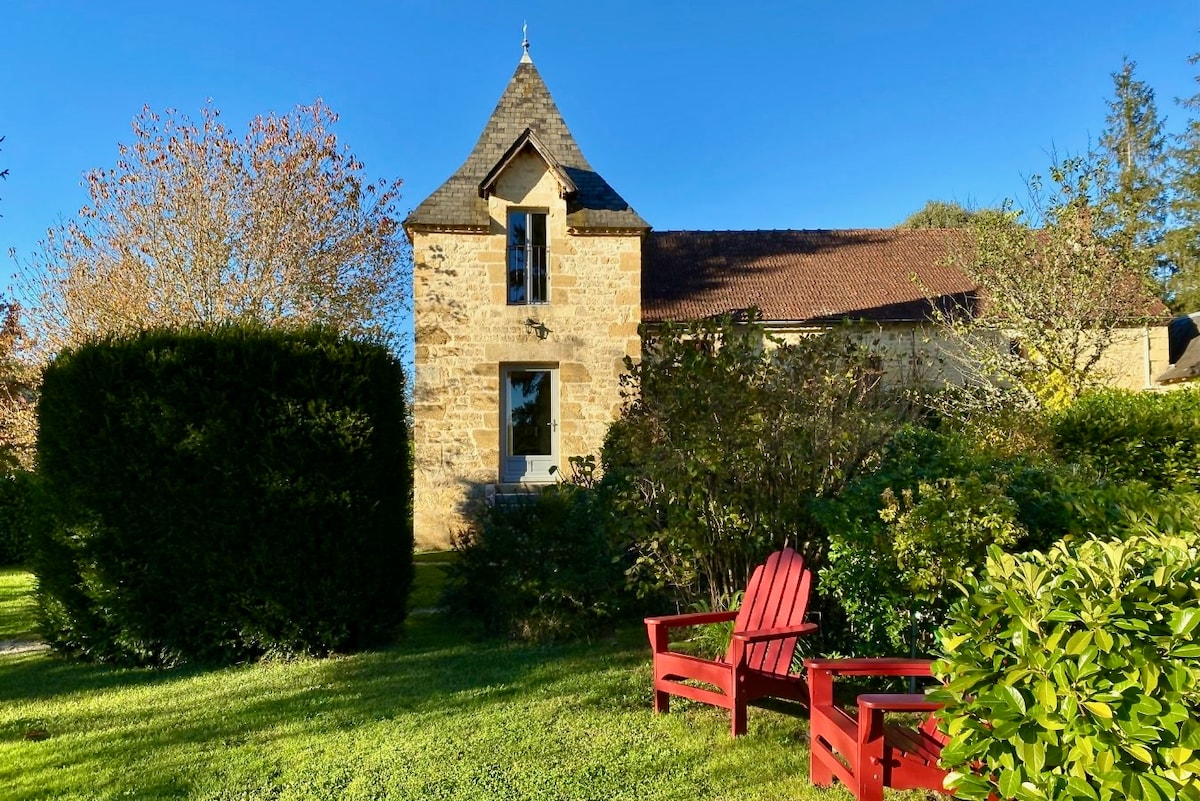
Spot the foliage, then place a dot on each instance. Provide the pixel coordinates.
(22, 511)
(939, 214)
(1133, 200)
(1135, 436)
(726, 437)
(220, 494)
(901, 536)
(1183, 240)
(1073, 674)
(1052, 296)
(195, 225)
(539, 569)
(18, 404)
(944, 214)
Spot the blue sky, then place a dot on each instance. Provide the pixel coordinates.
(702, 115)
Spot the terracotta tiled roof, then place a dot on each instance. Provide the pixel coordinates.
(526, 105)
(801, 276)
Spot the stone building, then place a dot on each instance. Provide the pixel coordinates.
(531, 276)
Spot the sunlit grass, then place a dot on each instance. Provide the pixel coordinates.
(434, 717)
(17, 621)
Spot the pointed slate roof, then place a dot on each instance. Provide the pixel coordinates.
(526, 111)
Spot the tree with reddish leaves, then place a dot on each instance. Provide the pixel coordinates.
(197, 225)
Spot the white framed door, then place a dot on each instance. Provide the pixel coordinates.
(529, 424)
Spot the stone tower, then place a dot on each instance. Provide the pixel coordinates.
(527, 298)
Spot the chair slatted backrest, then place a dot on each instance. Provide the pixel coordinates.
(776, 597)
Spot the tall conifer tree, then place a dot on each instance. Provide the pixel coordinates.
(1134, 200)
(1183, 240)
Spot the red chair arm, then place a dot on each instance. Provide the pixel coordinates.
(897, 702)
(764, 635)
(690, 619)
(869, 667)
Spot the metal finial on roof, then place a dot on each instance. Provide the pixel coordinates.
(525, 44)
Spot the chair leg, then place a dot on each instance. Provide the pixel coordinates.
(737, 723)
(662, 701)
(818, 772)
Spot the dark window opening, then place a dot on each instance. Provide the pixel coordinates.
(527, 257)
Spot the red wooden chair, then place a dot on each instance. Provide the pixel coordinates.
(865, 752)
(757, 663)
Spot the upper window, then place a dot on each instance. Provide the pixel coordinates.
(527, 257)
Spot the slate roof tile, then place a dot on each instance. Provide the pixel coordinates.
(526, 103)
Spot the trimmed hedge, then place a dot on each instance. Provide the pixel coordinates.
(221, 494)
(1073, 674)
(1135, 436)
(20, 512)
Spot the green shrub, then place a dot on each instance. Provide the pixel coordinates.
(21, 512)
(223, 494)
(726, 438)
(1073, 674)
(903, 534)
(1135, 436)
(539, 569)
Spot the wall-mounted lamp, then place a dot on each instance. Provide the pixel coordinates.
(537, 328)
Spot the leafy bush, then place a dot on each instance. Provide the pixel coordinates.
(541, 569)
(222, 494)
(726, 438)
(21, 512)
(1135, 436)
(903, 534)
(1073, 674)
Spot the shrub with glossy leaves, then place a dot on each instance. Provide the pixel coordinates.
(1135, 436)
(220, 494)
(1075, 674)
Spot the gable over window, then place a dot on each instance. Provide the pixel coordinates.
(527, 258)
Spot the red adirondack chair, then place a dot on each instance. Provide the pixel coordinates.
(865, 752)
(757, 663)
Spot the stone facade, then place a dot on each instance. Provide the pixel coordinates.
(918, 352)
(606, 274)
(466, 333)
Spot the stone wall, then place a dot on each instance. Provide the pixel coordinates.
(912, 351)
(466, 333)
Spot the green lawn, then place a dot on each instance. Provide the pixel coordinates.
(434, 717)
(16, 605)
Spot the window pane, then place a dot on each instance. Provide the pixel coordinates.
(537, 275)
(530, 416)
(517, 230)
(516, 275)
(538, 230)
(518, 257)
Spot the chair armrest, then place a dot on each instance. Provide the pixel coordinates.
(764, 635)
(870, 667)
(897, 702)
(690, 619)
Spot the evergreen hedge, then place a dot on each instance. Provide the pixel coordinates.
(20, 512)
(1135, 436)
(221, 494)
